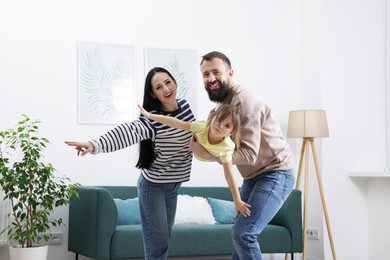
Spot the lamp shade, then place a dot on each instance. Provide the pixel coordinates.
(307, 123)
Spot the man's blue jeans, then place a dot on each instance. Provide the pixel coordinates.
(158, 208)
(266, 194)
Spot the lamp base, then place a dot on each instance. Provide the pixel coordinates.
(307, 142)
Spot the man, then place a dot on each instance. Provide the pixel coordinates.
(264, 160)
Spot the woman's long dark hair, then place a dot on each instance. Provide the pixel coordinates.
(146, 148)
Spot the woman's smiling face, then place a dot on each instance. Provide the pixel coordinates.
(164, 89)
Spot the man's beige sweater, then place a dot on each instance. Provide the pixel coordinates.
(263, 146)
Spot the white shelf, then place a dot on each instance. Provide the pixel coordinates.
(384, 174)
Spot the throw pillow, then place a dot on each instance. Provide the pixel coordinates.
(193, 210)
(223, 210)
(128, 211)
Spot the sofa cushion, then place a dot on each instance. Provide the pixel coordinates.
(193, 210)
(128, 211)
(126, 242)
(223, 210)
(201, 240)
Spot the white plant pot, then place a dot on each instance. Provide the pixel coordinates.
(28, 253)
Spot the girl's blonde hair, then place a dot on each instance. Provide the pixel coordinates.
(223, 112)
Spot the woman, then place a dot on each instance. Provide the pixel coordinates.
(164, 159)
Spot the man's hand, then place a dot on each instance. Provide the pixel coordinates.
(199, 150)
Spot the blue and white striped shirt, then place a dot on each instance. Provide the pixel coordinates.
(171, 146)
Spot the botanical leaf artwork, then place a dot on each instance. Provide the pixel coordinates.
(101, 83)
(182, 87)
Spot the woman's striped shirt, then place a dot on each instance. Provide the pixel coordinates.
(171, 146)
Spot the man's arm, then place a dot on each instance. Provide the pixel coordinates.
(251, 124)
(201, 152)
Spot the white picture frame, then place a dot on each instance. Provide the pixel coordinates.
(105, 80)
(182, 64)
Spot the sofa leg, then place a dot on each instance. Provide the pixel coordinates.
(77, 256)
(292, 256)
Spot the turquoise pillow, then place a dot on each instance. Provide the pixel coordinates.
(128, 211)
(223, 210)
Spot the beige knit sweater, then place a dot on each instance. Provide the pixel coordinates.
(263, 146)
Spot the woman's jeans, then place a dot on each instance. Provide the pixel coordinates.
(157, 203)
(266, 194)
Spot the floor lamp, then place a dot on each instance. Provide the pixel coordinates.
(309, 124)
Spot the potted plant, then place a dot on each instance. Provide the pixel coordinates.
(30, 185)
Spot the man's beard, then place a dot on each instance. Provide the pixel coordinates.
(220, 95)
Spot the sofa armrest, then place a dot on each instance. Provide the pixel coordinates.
(290, 216)
(93, 218)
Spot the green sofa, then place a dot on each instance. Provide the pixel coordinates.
(94, 233)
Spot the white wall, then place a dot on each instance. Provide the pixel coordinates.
(292, 54)
(353, 92)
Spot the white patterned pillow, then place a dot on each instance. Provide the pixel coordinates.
(193, 210)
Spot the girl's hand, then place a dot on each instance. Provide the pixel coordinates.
(243, 208)
(143, 112)
(82, 148)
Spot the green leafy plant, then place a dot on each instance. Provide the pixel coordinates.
(31, 185)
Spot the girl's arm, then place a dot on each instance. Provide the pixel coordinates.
(166, 120)
(239, 205)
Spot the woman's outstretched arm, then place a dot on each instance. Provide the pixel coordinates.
(82, 148)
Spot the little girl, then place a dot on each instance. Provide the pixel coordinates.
(220, 136)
